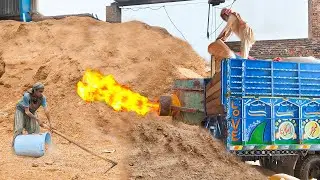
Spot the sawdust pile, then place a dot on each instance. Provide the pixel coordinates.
(147, 59)
(185, 152)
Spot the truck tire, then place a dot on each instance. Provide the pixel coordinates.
(298, 166)
(310, 168)
(265, 163)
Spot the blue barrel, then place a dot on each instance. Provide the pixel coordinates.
(32, 144)
(25, 10)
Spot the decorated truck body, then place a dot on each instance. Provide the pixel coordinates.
(263, 110)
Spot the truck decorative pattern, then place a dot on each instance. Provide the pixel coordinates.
(271, 105)
(274, 121)
(235, 122)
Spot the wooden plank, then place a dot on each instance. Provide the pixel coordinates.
(218, 64)
(213, 96)
(216, 78)
(213, 67)
(211, 110)
(214, 89)
(214, 102)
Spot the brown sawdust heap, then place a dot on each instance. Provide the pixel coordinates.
(147, 59)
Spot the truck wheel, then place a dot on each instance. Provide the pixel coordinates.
(262, 162)
(310, 168)
(298, 167)
(165, 105)
(265, 163)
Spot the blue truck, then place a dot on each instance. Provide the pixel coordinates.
(261, 109)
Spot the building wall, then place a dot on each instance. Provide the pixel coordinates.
(113, 14)
(11, 8)
(290, 47)
(282, 48)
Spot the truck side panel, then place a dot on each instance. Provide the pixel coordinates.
(269, 105)
(274, 123)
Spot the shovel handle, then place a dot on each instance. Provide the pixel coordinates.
(80, 146)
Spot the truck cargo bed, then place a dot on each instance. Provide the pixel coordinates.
(272, 79)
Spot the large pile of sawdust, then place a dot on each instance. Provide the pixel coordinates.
(147, 59)
(162, 150)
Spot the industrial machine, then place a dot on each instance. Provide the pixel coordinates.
(261, 109)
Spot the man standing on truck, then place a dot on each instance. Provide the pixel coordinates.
(25, 116)
(236, 25)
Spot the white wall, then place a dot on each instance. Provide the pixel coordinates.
(59, 7)
(270, 19)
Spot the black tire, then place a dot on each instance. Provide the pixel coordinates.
(298, 167)
(165, 105)
(310, 168)
(265, 163)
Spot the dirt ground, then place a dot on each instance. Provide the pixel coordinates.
(147, 59)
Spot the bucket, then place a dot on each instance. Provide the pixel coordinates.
(219, 51)
(219, 48)
(32, 144)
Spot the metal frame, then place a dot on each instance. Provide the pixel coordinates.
(143, 2)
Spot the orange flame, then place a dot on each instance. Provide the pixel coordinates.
(97, 87)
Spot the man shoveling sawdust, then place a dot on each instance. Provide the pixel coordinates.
(25, 116)
(235, 24)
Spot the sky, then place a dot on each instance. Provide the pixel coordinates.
(269, 19)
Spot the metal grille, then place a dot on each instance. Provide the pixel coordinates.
(11, 7)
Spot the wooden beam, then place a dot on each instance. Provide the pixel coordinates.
(214, 109)
(142, 2)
